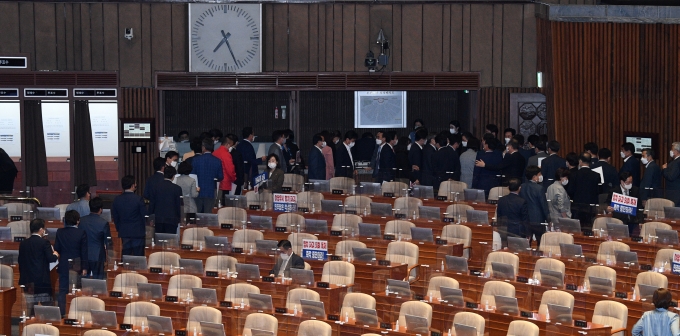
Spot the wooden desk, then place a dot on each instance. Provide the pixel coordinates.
(7, 298)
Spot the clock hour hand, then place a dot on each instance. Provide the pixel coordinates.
(226, 39)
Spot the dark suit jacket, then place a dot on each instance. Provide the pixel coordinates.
(387, 164)
(97, 229)
(583, 186)
(526, 153)
(427, 170)
(537, 203)
(317, 164)
(344, 166)
(512, 212)
(446, 164)
(415, 157)
(511, 166)
(611, 176)
(633, 192)
(166, 207)
(128, 211)
(363, 149)
(650, 185)
(71, 243)
(151, 183)
(632, 165)
(295, 262)
(275, 181)
(283, 162)
(672, 175)
(250, 162)
(239, 166)
(374, 161)
(35, 256)
(484, 178)
(549, 167)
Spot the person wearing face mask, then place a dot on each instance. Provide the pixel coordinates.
(467, 161)
(417, 124)
(454, 127)
(344, 163)
(508, 134)
(626, 188)
(317, 164)
(427, 169)
(550, 164)
(327, 151)
(387, 159)
(167, 203)
(216, 136)
(279, 139)
(335, 137)
(650, 185)
(274, 174)
(250, 162)
(228, 169)
(171, 158)
(630, 163)
(558, 199)
(35, 256)
(671, 172)
(446, 162)
(377, 147)
(415, 155)
(512, 165)
(532, 193)
(583, 189)
(287, 259)
(483, 178)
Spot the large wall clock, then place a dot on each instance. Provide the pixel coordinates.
(225, 37)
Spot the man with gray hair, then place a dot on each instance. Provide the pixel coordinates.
(671, 172)
(650, 185)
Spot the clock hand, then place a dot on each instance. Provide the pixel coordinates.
(226, 39)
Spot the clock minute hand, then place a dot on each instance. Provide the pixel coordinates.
(226, 39)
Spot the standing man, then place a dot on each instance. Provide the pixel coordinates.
(35, 256)
(537, 205)
(610, 175)
(250, 162)
(71, 244)
(82, 205)
(592, 149)
(539, 154)
(427, 170)
(167, 208)
(344, 163)
(626, 188)
(512, 165)
(550, 164)
(183, 143)
(630, 163)
(208, 169)
(277, 148)
(155, 179)
(583, 190)
(387, 160)
(237, 159)
(484, 178)
(512, 212)
(171, 159)
(415, 155)
(228, 169)
(317, 164)
(98, 238)
(650, 185)
(446, 162)
(379, 142)
(671, 172)
(128, 211)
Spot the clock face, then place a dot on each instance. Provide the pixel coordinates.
(225, 38)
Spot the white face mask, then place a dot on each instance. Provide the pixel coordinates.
(284, 256)
(628, 186)
(507, 140)
(408, 147)
(323, 144)
(453, 130)
(464, 143)
(564, 182)
(623, 156)
(216, 141)
(672, 154)
(336, 141)
(173, 163)
(540, 178)
(271, 165)
(378, 142)
(351, 144)
(644, 161)
(230, 148)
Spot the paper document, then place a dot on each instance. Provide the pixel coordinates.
(599, 171)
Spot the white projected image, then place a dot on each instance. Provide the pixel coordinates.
(10, 127)
(104, 121)
(56, 128)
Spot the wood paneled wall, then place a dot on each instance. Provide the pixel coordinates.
(494, 107)
(499, 40)
(603, 79)
(137, 103)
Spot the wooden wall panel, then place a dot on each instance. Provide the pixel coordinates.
(137, 103)
(45, 36)
(280, 35)
(314, 36)
(363, 34)
(112, 33)
(481, 42)
(348, 38)
(97, 36)
(180, 37)
(9, 25)
(497, 45)
(412, 38)
(335, 25)
(604, 79)
(161, 39)
(60, 32)
(432, 39)
(511, 68)
(146, 48)
(494, 106)
(299, 38)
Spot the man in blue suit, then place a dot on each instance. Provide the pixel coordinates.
(484, 178)
(98, 238)
(630, 163)
(671, 172)
(154, 180)
(650, 185)
(550, 164)
(317, 164)
(537, 205)
(248, 152)
(387, 160)
(208, 170)
(344, 163)
(71, 244)
(446, 162)
(512, 213)
(128, 211)
(166, 208)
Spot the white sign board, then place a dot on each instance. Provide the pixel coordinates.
(10, 127)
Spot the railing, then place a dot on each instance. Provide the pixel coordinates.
(21, 199)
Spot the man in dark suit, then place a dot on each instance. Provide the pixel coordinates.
(35, 256)
(526, 153)
(277, 148)
(650, 185)
(247, 150)
(583, 190)
(287, 260)
(365, 147)
(344, 163)
(387, 160)
(317, 164)
(626, 188)
(671, 172)
(610, 175)
(512, 165)
(539, 154)
(592, 149)
(71, 244)
(550, 164)
(484, 178)
(379, 143)
(427, 170)
(512, 212)
(537, 205)
(154, 180)
(128, 211)
(630, 163)
(237, 158)
(446, 162)
(415, 155)
(166, 209)
(98, 238)
(208, 169)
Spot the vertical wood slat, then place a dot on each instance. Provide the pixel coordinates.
(137, 103)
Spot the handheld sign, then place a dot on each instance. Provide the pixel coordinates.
(285, 202)
(675, 263)
(624, 204)
(314, 249)
(259, 180)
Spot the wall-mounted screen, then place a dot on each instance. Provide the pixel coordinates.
(10, 127)
(640, 143)
(380, 109)
(56, 126)
(104, 121)
(137, 130)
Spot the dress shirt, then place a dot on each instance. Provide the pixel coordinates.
(349, 150)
